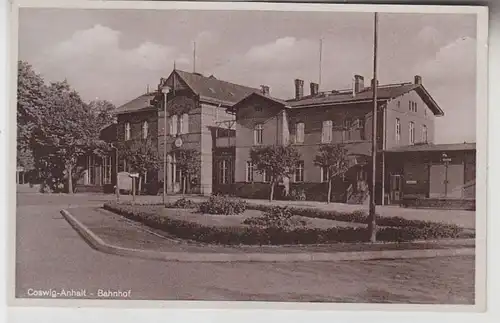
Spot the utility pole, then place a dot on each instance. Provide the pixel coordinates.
(372, 225)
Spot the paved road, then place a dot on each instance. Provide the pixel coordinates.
(51, 255)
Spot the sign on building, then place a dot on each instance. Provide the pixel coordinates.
(124, 181)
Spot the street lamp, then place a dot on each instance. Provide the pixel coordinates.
(117, 189)
(446, 161)
(165, 90)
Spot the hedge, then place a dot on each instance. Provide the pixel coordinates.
(248, 235)
(354, 216)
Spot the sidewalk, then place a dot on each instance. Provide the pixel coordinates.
(114, 234)
(463, 218)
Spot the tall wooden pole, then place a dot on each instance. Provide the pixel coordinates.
(372, 225)
(194, 57)
(165, 146)
(116, 175)
(320, 60)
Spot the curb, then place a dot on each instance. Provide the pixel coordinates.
(97, 243)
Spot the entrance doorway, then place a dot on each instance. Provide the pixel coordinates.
(396, 188)
(446, 181)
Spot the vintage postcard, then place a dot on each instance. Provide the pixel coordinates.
(207, 155)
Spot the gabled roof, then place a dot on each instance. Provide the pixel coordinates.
(138, 104)
(213, 90)
(258, 95)
(436, 147)
(384, 93)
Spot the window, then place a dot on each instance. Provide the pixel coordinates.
(412, 133)
(184, 123)
(145, 177)
(127, 131)
(145, 129)
(258, 134)
(325, 174)
(415, 107)
(223, 172)
(266, 177)
(326, 135)
(398, 104)
(106, 164)
(299, 132)
(398, 130)
(424, 133)
(299, 172)
(249, 172)
(173, 125)
(347, 129)
(425, 111)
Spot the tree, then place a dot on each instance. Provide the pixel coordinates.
(31, 104)
(141, 155)
(102, 111)
(66, 131)
(275, 161)
(188, 162)
(334, 159)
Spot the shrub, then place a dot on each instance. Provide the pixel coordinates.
(277, 217)
(183, 203)
(362, 217)
(254, 235)
(298, 195)
(219, 204)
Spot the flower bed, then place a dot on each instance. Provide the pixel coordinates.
(254, 235)
(355, 217)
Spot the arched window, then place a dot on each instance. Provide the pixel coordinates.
(127, 131)
(145, 129)
(173, 125)
(184, 124)
(258, 134)
(299, 132)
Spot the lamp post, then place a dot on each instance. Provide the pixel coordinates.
(165, 90)
(117, 189)
(446, 161)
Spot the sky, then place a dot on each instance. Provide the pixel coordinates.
(115, 54)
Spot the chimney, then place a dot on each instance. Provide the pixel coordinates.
(299, 89)
(372, 81)
(264, 89)
(418, 79)
(359, 83)
(314, 88)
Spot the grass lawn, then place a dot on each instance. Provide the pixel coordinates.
(193, 215)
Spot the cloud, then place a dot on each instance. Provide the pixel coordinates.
(429, 36)
(452, 63)
(283, 51)
(95, 64)
(278, 62)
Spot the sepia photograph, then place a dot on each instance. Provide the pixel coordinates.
(226, 152)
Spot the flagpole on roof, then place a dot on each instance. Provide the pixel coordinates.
(194, 57)
(372, 225)
(320, 60)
